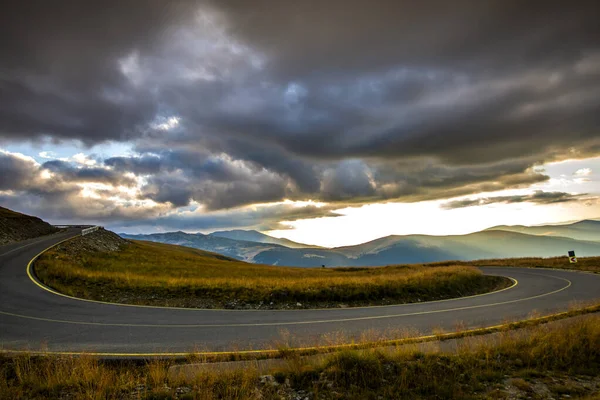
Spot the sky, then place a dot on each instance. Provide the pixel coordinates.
(328, 123)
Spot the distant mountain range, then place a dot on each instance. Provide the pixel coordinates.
(497, 242)
(254, 236)
(582, 230)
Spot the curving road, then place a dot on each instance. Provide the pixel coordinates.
(33, 318)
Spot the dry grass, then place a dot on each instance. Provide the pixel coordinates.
(590, 264)
(545, 355)
(470, 371)
(161, 274)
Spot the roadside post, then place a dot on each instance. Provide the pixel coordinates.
(572, 258)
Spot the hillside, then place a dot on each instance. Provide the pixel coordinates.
(255, 236)
(479, 245)
(100, 241)
(250, 251)
(15, 226)
(389, 250)
(238, 249)
(102, 266)
(582, 230)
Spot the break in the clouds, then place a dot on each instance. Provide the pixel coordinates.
(228, 104)
(583, 172)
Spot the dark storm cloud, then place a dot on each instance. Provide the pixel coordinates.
(216, 181)
(60, 69)
(477, 118)
(351, 35)
(196, 164)
(220, 182)
(349, 180)
(138, 165)
(67, 207)
(23, 175)
(539, 197)
(230, 103)
(464, 82)
(58, 198)
(214, 192)
(68, 172)
(262, 218)
(304, 173)
(24, 187)
(16, 172)
(20, 173)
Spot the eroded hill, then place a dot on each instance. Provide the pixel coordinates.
(15, 226)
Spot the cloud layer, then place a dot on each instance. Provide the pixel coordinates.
(232, 103)
(538, 197)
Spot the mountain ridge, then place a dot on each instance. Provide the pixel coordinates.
(396, 249)
(238, 249)
(255, 236)
(587, 229)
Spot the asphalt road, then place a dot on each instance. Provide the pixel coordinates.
(32, 318)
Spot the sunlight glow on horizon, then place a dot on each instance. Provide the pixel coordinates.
(369, 222)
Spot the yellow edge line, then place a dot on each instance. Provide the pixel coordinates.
(179, 326)
(26, 245)
(48, 289)
(327, 349)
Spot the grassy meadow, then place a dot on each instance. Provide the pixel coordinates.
(587, 264)
(590, 264)
(167, 275)
(555, 360)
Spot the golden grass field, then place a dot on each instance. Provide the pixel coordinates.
(161, 274)
(590, 264)
(558, 360)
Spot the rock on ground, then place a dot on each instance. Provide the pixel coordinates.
(98, 241)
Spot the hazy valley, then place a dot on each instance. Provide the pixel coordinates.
(500, 242)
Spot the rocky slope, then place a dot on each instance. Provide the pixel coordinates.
(99, 241)
(15, 226)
